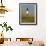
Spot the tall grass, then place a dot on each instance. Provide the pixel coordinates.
(28, 18)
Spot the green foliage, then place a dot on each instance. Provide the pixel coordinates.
(7, 27)
(28, 18)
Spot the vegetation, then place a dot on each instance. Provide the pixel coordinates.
(7, 27)
(28, 18)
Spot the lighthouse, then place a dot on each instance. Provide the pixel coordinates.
(27, 11)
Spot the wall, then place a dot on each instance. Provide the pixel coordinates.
(38, 32)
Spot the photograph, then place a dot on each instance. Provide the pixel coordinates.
(28, 13)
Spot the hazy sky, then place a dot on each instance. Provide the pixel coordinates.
(31, 7)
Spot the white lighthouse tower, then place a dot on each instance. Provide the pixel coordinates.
(27, 11)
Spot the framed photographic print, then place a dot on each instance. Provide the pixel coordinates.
(28, 13)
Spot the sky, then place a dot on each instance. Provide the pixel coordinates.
(31, 7)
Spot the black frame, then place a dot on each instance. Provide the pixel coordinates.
(19, 14)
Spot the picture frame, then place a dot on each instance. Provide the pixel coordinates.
(28, 13)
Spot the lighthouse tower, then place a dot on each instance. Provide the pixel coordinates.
(27, 11)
